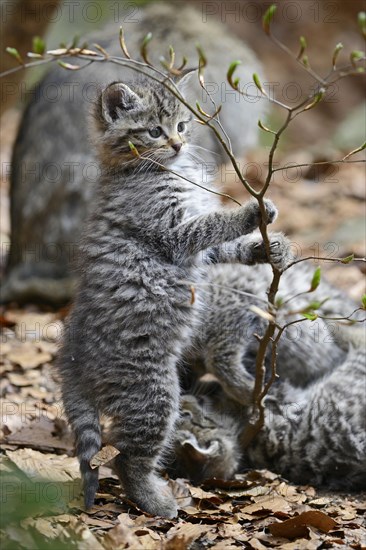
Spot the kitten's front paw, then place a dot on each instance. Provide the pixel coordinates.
(279, 253)
(252, 217)
(271, 210)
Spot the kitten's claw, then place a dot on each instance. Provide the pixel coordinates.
(279, 254)
(271, 210)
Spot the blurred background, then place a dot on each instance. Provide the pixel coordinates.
(321, 208)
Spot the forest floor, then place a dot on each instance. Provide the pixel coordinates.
(323, 213)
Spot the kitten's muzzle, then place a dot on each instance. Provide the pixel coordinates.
(177, 146)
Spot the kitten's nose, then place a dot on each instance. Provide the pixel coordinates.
(177, 146)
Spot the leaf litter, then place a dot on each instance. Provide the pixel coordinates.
(42, 492)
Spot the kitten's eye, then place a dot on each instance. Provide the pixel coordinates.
(181, 127)
(156, 132)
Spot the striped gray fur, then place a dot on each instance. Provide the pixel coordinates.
(226, 342)
(146, 242)
(314, 428)
(54, 174)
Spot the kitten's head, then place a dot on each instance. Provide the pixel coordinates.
(146, 114)
(206, 443)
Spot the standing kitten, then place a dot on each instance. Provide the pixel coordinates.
(143, 247)
(54, 174)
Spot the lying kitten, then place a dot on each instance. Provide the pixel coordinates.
(314, 435)
(145, 244)
(226, 342)
(314, 428)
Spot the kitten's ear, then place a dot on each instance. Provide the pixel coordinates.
(198, 453)
(185, 79)
(117, 98)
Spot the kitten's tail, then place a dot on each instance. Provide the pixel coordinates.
(88, 442)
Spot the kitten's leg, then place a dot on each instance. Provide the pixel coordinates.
(141, 433)
(224, 359)
(202, 232)
(84, 421)
(250, 250)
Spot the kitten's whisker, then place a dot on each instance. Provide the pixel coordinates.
(204, 149)
(196, 158)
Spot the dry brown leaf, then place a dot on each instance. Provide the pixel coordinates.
(49, 347)
(233, 530)
(256, 544)
(319, 502)
(239, 482)
(45, 467)
(122, 536)
(105, 455)
(12, 415)
(347, 515)
(228, 544)
(188, 532)
(202, 495)
(32, 326)
(290, 492)
(22, 379)
(180, 490)
(45, 526)
(267, 505)
(254, 491)
(40, 434)
(95, 522)
(298, 526)
(19, 535)
(28, 356)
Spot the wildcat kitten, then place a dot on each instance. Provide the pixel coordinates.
(52, 185)
(315, 434)
(227, 344)
(145, 244)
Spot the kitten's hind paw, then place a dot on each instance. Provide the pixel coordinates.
(145, 488)
(157, 502)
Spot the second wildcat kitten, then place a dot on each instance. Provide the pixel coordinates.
(314, 435)
(314, 429)
(144, 246)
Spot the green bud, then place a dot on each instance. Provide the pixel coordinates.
(232, 68)
(310, 315)
(38, 45)
(355, 56)
(14, 53)
(337, 49)
(262, 127)
(315, 281)
(361, 18)
(257, 82)
(303, 46)
(348, 259)
(123, 43)
(267, 18)
(69, 66)
(201, 56)
(143, 50)
(318, 97)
